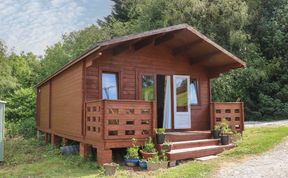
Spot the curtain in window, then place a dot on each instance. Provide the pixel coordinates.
(109, 86)
(193, 93)
(167, 104)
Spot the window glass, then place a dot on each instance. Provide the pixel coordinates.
(181, 94)
(193, 92)
(147, 87)
(109, 86)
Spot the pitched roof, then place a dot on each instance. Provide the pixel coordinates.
(203, 48)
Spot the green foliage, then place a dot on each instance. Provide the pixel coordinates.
(7, 81)
(167, 143)
(224, 128)
(149, 146)
(132, 152)
(257, 140)
(21, 105)
(71, 46)
(31, 158)
(160, 131)
(154, 159)
(217, 127)
(20, 113)
(25, 128)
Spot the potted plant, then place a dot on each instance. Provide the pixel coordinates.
(167, 146)
(148, 149)
(160, 135)
(216, 131)
(225, 133)
(110, 168)
(132, 156)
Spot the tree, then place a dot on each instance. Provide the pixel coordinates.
(7, 81)
(71, 46)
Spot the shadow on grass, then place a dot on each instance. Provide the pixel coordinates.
(31, 157)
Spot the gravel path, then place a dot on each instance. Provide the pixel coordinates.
(261, 123)
(272, 164)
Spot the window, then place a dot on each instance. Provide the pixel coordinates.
(147, 87)
(181, 94)
(109, 86)
(193, 92)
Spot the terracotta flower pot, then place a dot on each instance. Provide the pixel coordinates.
(146, 155)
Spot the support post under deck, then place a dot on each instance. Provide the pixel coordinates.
(104, 156)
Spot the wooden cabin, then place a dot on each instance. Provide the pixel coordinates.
(125, 87)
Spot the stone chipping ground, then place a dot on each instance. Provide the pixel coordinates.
(272, 164)
(265, 123)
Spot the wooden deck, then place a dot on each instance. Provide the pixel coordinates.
(113, 123)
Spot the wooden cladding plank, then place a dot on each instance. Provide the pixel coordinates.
(44, 106)
(67, 101)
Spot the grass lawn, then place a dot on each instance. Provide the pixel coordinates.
(33, 158)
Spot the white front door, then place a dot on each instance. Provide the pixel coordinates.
(182, 111)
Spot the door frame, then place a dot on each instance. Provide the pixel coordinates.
(173, 104)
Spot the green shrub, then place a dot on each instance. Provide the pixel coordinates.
(25, 128)
(20, 113)
(21, 105)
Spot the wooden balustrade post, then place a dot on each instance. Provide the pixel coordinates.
(154, 118)
(212, 115)
(242, 117)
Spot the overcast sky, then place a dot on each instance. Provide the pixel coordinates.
(32, 25)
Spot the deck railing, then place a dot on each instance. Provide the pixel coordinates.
(232, 112)
(119, 119)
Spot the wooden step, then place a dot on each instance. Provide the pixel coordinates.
(187, 136)
(194, 143)
(197, 152)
